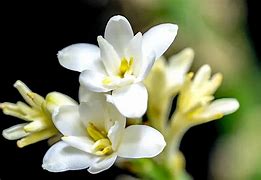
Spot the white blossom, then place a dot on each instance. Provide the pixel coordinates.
(94, 135)
(120, 63)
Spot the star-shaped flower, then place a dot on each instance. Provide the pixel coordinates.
(120, 63)
(94, 135)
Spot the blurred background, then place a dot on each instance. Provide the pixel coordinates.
(223, 33)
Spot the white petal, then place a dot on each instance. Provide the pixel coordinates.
(131, 100)
(79, 57)
(92, 80)
(158, 39)
(114, 115)
(146, 66)
(67, 121)
(140, 141)
(109, 57)
(102, 164)
(15, 132)
(94, 112)
(223, 106)
(134, 50)
(79, 142)
(118, 32)
(62, 157)
(116, 131)
(86, 95)
(178, 66)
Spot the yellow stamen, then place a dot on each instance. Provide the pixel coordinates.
(101, 144)
(126, 67)
(130, 65)
(102, 147)
(94, 132)
(106, 151)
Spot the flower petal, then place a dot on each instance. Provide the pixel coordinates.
(79, 57)
(158, 39)
(140, 141)
(92, 80)
(146, 66)
(115, 126)
(118, 33)
(102, 164)
(131, 100)
(62, 157)
(222, 106)
(94, 112)
(114, 115)
(109, 56)
(79, 142)
(134, 50)
(15, 132)
(67, 121)
(86, 95)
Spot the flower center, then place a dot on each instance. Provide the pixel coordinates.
(126, 67)
(102, 145)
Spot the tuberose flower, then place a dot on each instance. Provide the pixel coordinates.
(37, 114)
(120, 63)
(94, 135)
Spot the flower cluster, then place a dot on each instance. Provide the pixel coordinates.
(119, 81)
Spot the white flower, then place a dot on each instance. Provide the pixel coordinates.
(37, 113)
(120, 63)
(94, 135)
(196, 97)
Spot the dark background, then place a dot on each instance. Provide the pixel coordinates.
(32, 32)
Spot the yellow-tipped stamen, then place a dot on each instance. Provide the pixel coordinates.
(123, 67)
(102, 144)
(102, 147)
(94, 132)
(106, 151)
(126, 67)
